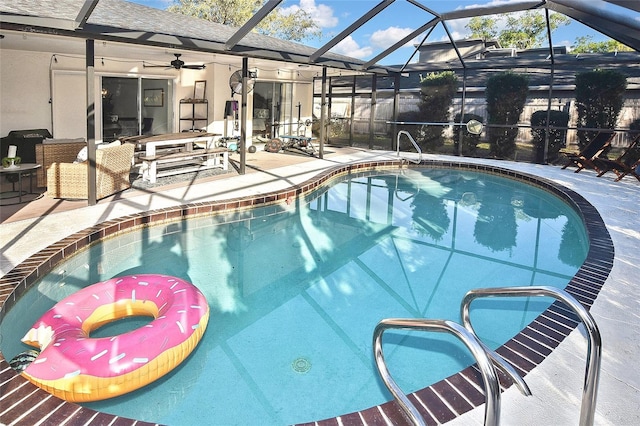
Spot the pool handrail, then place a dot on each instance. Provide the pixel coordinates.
(505, 367)
(416, 146)
(487, 370)
(594, 341)
(498, 361)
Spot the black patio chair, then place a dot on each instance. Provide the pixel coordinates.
(585, 158)
(626, 164)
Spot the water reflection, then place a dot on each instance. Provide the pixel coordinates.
(496, 226)
(571, 237)
(430, 216)
(166, 256)
(311, 279)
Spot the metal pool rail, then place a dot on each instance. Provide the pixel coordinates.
(417, 147)
(487, 359)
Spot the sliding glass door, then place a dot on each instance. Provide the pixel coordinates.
(136, 106)
(272, 109)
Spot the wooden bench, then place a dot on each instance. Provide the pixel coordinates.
(155, 166)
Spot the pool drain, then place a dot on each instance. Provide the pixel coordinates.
(301, 365)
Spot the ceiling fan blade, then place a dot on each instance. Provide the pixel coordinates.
(177, 64)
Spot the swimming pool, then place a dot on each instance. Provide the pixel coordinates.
(437, 228)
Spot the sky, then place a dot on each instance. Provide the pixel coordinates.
(395, 22)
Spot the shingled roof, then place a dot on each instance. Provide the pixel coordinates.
(122, 21)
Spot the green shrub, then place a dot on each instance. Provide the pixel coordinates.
(557, 137)
(506, 95)
(414, 130)
(599, 99)
(469, 140)
(436, 97)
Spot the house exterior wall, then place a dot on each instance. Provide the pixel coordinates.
(68, 104)
(24, 91)
(35, 90)
(444, 52)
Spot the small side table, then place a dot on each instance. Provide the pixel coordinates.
(22, 169)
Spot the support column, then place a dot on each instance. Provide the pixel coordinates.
(353, 110)
(243, 117)
(545, 151)
(91, 121)
(323, 113)
(372, 110)
(396, 102)
(462, 128)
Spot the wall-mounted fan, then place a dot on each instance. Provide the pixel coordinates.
(235, 83)
(178, 63)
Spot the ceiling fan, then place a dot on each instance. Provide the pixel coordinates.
(178, 63)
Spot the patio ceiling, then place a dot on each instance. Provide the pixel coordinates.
(152, 33)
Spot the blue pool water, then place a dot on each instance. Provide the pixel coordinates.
(295, 291)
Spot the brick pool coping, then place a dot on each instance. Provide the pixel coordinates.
(24, 403)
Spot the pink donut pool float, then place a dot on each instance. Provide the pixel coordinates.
(79, 368)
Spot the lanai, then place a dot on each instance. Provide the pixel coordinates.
(137, 26)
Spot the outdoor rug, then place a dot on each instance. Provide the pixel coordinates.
(138, 183)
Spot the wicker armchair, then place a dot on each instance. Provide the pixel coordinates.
(49, 153)
(113, 164)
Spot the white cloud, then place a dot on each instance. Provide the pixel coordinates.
(456, 35)
(457, 28)
(321, 14)
(349, 47)
(387, 37)
(564, 43)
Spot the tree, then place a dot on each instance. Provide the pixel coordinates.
(483, 27)
(522, 30)
(599, 100)
(295, 26)
(437, 91)
(585, 44)
(506, 96)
